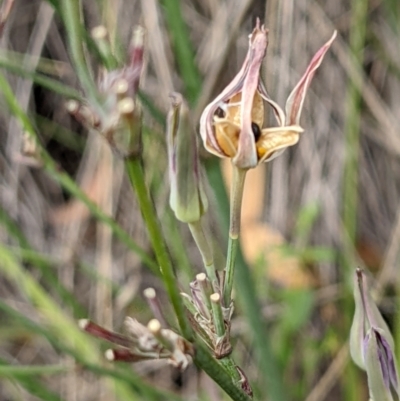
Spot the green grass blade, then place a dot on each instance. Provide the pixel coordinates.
(71, 14)
(352, 126)
(69, 184)
(62, 331)
(43, 264)
(183, 49)
(31, 384)
(17, 371)
(43, 81)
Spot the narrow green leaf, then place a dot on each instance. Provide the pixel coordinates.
(183, 49)
(17, 371)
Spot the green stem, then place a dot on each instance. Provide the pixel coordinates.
(238, 180)
(224, 377)
(136, 176)
(221, 376)
(218, 317)
(72, 21)
(352, 126)
(200, 237)
(219, 324)
(230, 366)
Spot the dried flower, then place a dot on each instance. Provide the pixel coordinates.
(143, 343)
(371, 343)
(232, 124)
(119, 120)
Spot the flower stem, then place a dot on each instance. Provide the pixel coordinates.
(221, 376)
(218, 317)
(238, 180)
(224, 373)
(136, 176)
(200, 237)
(219, 324)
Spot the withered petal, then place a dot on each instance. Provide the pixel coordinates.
(276, 139)
(295, 101)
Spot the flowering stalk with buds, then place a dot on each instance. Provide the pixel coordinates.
(187, 199)
(116, 115)
(232, 126)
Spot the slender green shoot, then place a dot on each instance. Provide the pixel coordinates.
(238, 181)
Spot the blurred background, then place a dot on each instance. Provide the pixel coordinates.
(310, 217)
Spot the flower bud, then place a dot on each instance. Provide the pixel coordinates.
(371, 343)
(366, 315)
(187, 197)
(380, 366)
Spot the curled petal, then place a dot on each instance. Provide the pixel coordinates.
(295, 100)
(275, 140)
(207, 117)
(246, 156)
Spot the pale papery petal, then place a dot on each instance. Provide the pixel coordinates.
(295, 100)
(206, 119)
(274, 140)
(246, 156)
(236, 85)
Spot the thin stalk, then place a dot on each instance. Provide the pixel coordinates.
(29, 370)
(136, 176)
(352, 126)
(16, 67)
(219, 324)
(200, 237)
(206, 291)
(71, 13)
(238, 181)
(270, 371)
(358, 25)
(218, 317)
